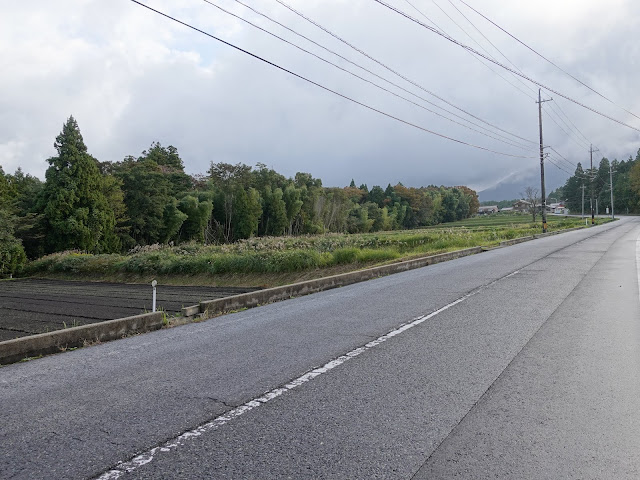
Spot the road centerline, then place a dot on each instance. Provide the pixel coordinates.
(149, 455)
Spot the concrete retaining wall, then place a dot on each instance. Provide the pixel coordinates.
(253, 299)
(53, 342)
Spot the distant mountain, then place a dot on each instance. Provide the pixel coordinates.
(513, 186)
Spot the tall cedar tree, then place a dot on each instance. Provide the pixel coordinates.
(76, 211)
(12, 254)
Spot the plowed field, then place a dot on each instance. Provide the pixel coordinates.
(33, 306)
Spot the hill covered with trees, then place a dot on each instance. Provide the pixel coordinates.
(626, 187)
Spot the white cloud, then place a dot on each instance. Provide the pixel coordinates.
(131, 77)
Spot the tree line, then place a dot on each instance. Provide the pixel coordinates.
(110, 207)
(626, 187)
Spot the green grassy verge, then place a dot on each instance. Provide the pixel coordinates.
(278, 260)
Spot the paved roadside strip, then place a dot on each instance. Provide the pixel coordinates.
(53, 342)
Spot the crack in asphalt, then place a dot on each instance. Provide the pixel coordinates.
(484, 394)
(213, 399)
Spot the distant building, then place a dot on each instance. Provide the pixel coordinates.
(488, 210)
(507, 209)
(522, 206)
(558, 208)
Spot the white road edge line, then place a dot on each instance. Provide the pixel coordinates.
(148, 456)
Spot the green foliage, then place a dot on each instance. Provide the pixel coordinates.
(293, 205)
(12, 255)
(198, 209)
(150, 184)
(345, 255)
(5, 194)
(172, 220)
(76, 211)
(267, 255)
(170, 164)
(237, 206)
(626, 187)
(115, 206)
(274, 212)
(248, 213)
(501, 204)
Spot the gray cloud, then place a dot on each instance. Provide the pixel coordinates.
(131, 77)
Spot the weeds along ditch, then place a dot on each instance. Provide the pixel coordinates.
(266, 255)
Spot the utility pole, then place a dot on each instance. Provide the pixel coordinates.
(591, 150)
(543, 194)
(583, 187)
(611, 185)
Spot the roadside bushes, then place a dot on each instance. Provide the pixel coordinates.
(267, 255)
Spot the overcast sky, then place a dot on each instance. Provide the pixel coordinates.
(131, 77)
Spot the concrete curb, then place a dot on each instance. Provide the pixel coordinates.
(515, 241)
(12, 351)
(253, 299)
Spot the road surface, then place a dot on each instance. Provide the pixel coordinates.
(520, 362)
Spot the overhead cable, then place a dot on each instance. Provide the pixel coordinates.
(526, 85)
(337, 37)
(466, 47)
(499, 137)
(552, 63)
(476, 42)
(388, 115)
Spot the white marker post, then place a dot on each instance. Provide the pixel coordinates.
(153, 284)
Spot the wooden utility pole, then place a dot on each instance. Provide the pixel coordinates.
(592, 177)
(543, 194)
(611, 185)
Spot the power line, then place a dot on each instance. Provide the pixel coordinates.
(551, 106)
(552, 63)
(571, 133)
(257, 57)
(572, 137)
(492, 44)
(337, 37)
(558, 166)
(502, 138)
(564, 159)
(556, 104)
(466, 47)
(474, 40)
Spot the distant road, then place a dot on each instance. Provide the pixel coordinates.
(520, 362)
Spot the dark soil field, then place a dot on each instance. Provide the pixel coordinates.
(33, 306)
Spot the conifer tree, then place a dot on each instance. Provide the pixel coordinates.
(77, 214)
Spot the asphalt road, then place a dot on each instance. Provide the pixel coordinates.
(521, 362)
